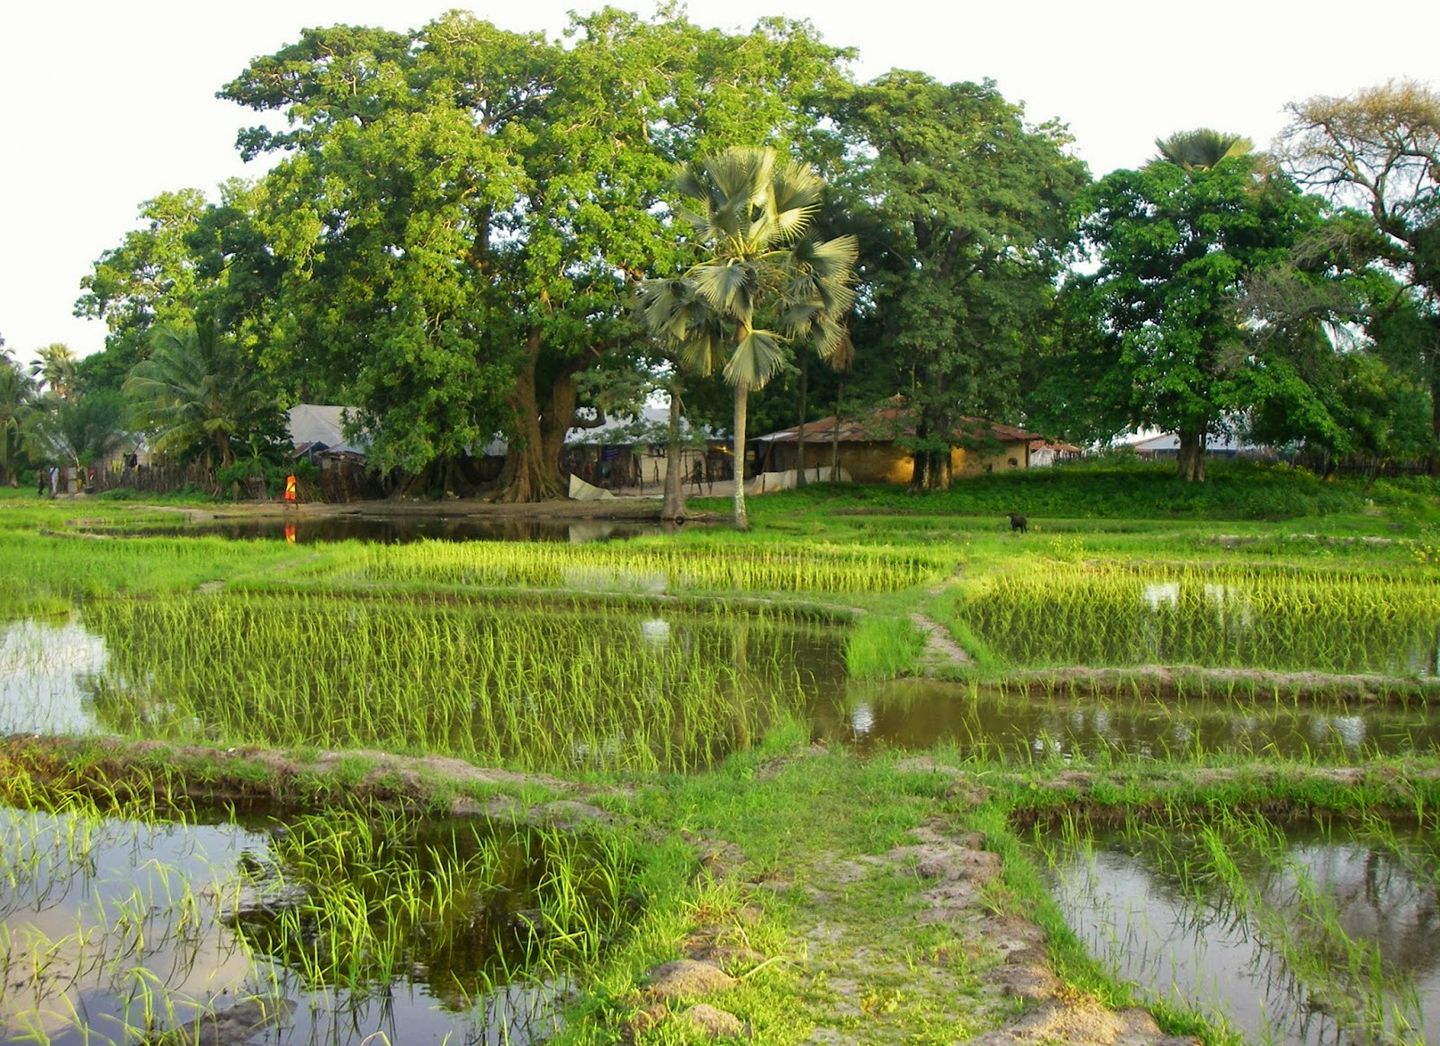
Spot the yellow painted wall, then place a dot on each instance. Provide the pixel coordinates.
(887, 463)
(977, 462)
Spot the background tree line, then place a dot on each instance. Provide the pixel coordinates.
(464, 231)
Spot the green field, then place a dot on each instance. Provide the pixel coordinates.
(761, 751)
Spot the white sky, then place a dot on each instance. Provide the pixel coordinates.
(105, 104)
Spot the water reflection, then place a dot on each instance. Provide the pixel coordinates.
(115, 930)
(46, 669)
(1323, 938)
(400, 529)
(58, 678)
(917, 713)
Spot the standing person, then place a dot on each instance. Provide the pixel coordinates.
(290, 490)
(54, 480)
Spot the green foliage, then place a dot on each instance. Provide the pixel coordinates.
(1155, 336)
(460, 209)
(963, 213)
(17, 396)
(200, 395)
(148, 280)
(764, 288)
(270, 475)
(1116, 490)
(75, 431)
(1380, 149)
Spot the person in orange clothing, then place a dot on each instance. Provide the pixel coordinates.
(290, 484)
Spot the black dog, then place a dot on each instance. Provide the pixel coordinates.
(1018, 522)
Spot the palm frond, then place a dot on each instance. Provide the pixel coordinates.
(759, 355)
(729, 286)
(1202, 148)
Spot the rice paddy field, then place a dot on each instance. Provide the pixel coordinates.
(877, 771)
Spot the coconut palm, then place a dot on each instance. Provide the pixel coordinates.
(55, 366)
(762, 289)
(1202, 148)
(75, 430)
(197, 395)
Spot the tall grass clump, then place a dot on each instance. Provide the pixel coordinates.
(882, 647)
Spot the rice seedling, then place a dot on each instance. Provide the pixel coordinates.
(645, 566)
(123, 930)
(882, 647)
(1113, 616)
(539, 687)
(96, 910)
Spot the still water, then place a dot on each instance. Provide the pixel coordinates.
(389, 530)
(114, 930)
(1312, 935)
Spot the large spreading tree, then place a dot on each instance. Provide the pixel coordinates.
(462, 211)
(963, 210)
(1157, 333)
(1379, 151)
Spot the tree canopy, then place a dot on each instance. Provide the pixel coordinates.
(963, 213)
(1379, 150)
(458, 218)
(1157, 334)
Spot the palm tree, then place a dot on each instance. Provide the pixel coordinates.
(762, 285)
(1202, 148)
(78, 430)
(55, 366)
(17, 392)
(197, 393)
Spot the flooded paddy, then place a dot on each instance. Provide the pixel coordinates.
(1315, 933)
(533, 686)
(329, 929)
(1013, 725)
(575, 686)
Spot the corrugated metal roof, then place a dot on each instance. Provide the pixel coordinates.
(649, 426)
(322, 423)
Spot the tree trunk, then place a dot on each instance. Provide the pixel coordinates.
(532, 466)
(921, 458)
(673, 508)
(1192, 454)
(742, 394)
(800, 431)
(835, 436)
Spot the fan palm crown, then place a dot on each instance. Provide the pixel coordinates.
(762, 286)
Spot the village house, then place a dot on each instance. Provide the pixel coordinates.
(869, 450)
